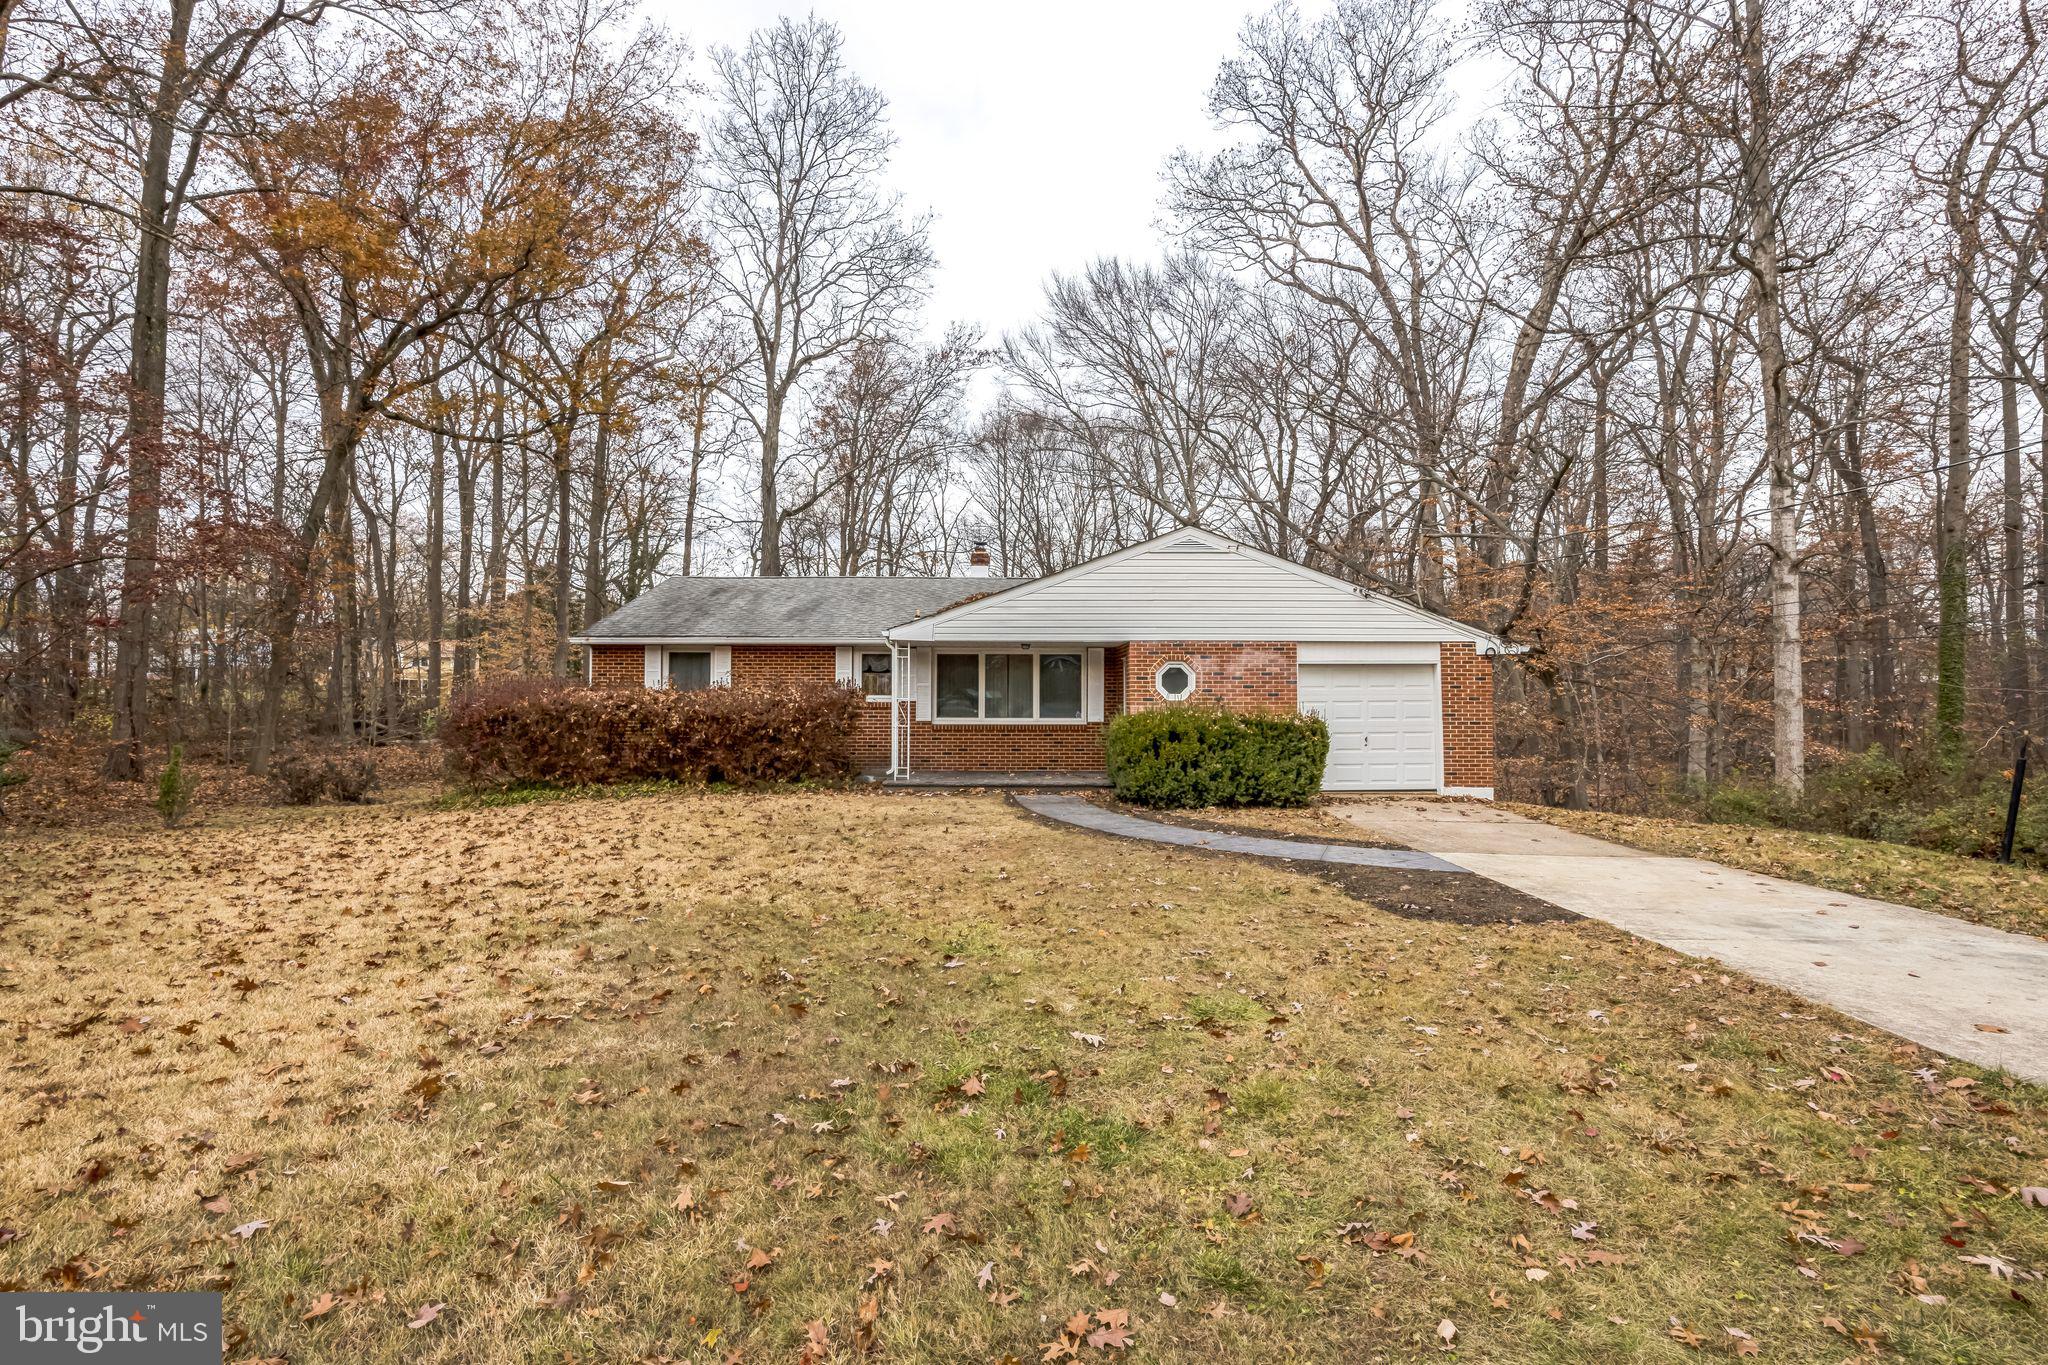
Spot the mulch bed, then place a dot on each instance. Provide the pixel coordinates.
(1444, 897)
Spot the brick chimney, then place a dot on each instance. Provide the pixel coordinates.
(977, 561)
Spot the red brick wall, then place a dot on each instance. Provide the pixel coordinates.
(618, 666)
(778, 665)
(1468, 716)
(1244, 675)
(999, 748)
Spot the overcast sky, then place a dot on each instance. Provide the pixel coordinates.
(1034, 130)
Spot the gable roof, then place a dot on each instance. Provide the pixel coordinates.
(1191, 584)
(788, 610)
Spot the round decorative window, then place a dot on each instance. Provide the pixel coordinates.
(1176, 682)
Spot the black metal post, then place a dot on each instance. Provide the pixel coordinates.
(2012, 807)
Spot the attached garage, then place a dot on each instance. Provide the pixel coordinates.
(1386, 724)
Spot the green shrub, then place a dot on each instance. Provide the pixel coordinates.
(1859, 794)
(1973, 823)
(1192, 756)
(1739, 801)
(566, 734)
(1874, 796)
(174, 789)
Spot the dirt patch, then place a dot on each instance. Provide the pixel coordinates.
(1445, 897)
(1450, 897)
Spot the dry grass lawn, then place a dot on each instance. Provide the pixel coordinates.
(1975, 889)
(818, 1076)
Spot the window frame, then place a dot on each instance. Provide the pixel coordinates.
(981, 656)
(668, 669)
(860, 663)
(1159, 680)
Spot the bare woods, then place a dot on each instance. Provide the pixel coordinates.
(351, 356)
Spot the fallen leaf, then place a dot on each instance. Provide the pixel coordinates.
(426, 1315)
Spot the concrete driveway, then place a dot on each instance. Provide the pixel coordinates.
(1922, 976)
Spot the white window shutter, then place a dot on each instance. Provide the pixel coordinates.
(721, 665)
(846, 675)
(655, 675)
(1091, 685)
(921, 681)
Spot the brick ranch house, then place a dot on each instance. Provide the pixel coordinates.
(975, 674)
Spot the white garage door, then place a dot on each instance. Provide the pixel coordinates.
(1384, 724)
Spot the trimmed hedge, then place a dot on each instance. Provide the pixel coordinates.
(1192, 756)
(566, 734)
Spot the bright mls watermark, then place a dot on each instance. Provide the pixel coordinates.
(126, 1329)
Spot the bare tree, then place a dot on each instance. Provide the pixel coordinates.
(1993, 93)
(816, 256)
(1337, 189)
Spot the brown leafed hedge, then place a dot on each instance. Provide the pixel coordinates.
(566, 734)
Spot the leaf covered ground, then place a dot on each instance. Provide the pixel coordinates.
(835, 1076)
(1975, 889)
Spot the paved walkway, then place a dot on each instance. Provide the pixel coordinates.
(1074, 810)
(1922, 976)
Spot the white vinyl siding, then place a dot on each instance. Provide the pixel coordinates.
(1191, 588)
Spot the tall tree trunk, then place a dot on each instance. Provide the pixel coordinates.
(148, 352)
(600, 497)
(2014, 560)
(290, 598)
(466, 469)
(495, 560)
(771, 502)
(436, 552)
(1760, 193)
(565, 531)
(698, 417)
(1952, 570)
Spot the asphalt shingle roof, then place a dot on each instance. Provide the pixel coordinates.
(824, 610)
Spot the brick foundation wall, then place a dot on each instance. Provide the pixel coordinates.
(618, 666)
(999, 748)
(1247, 675)
(1468, 716)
